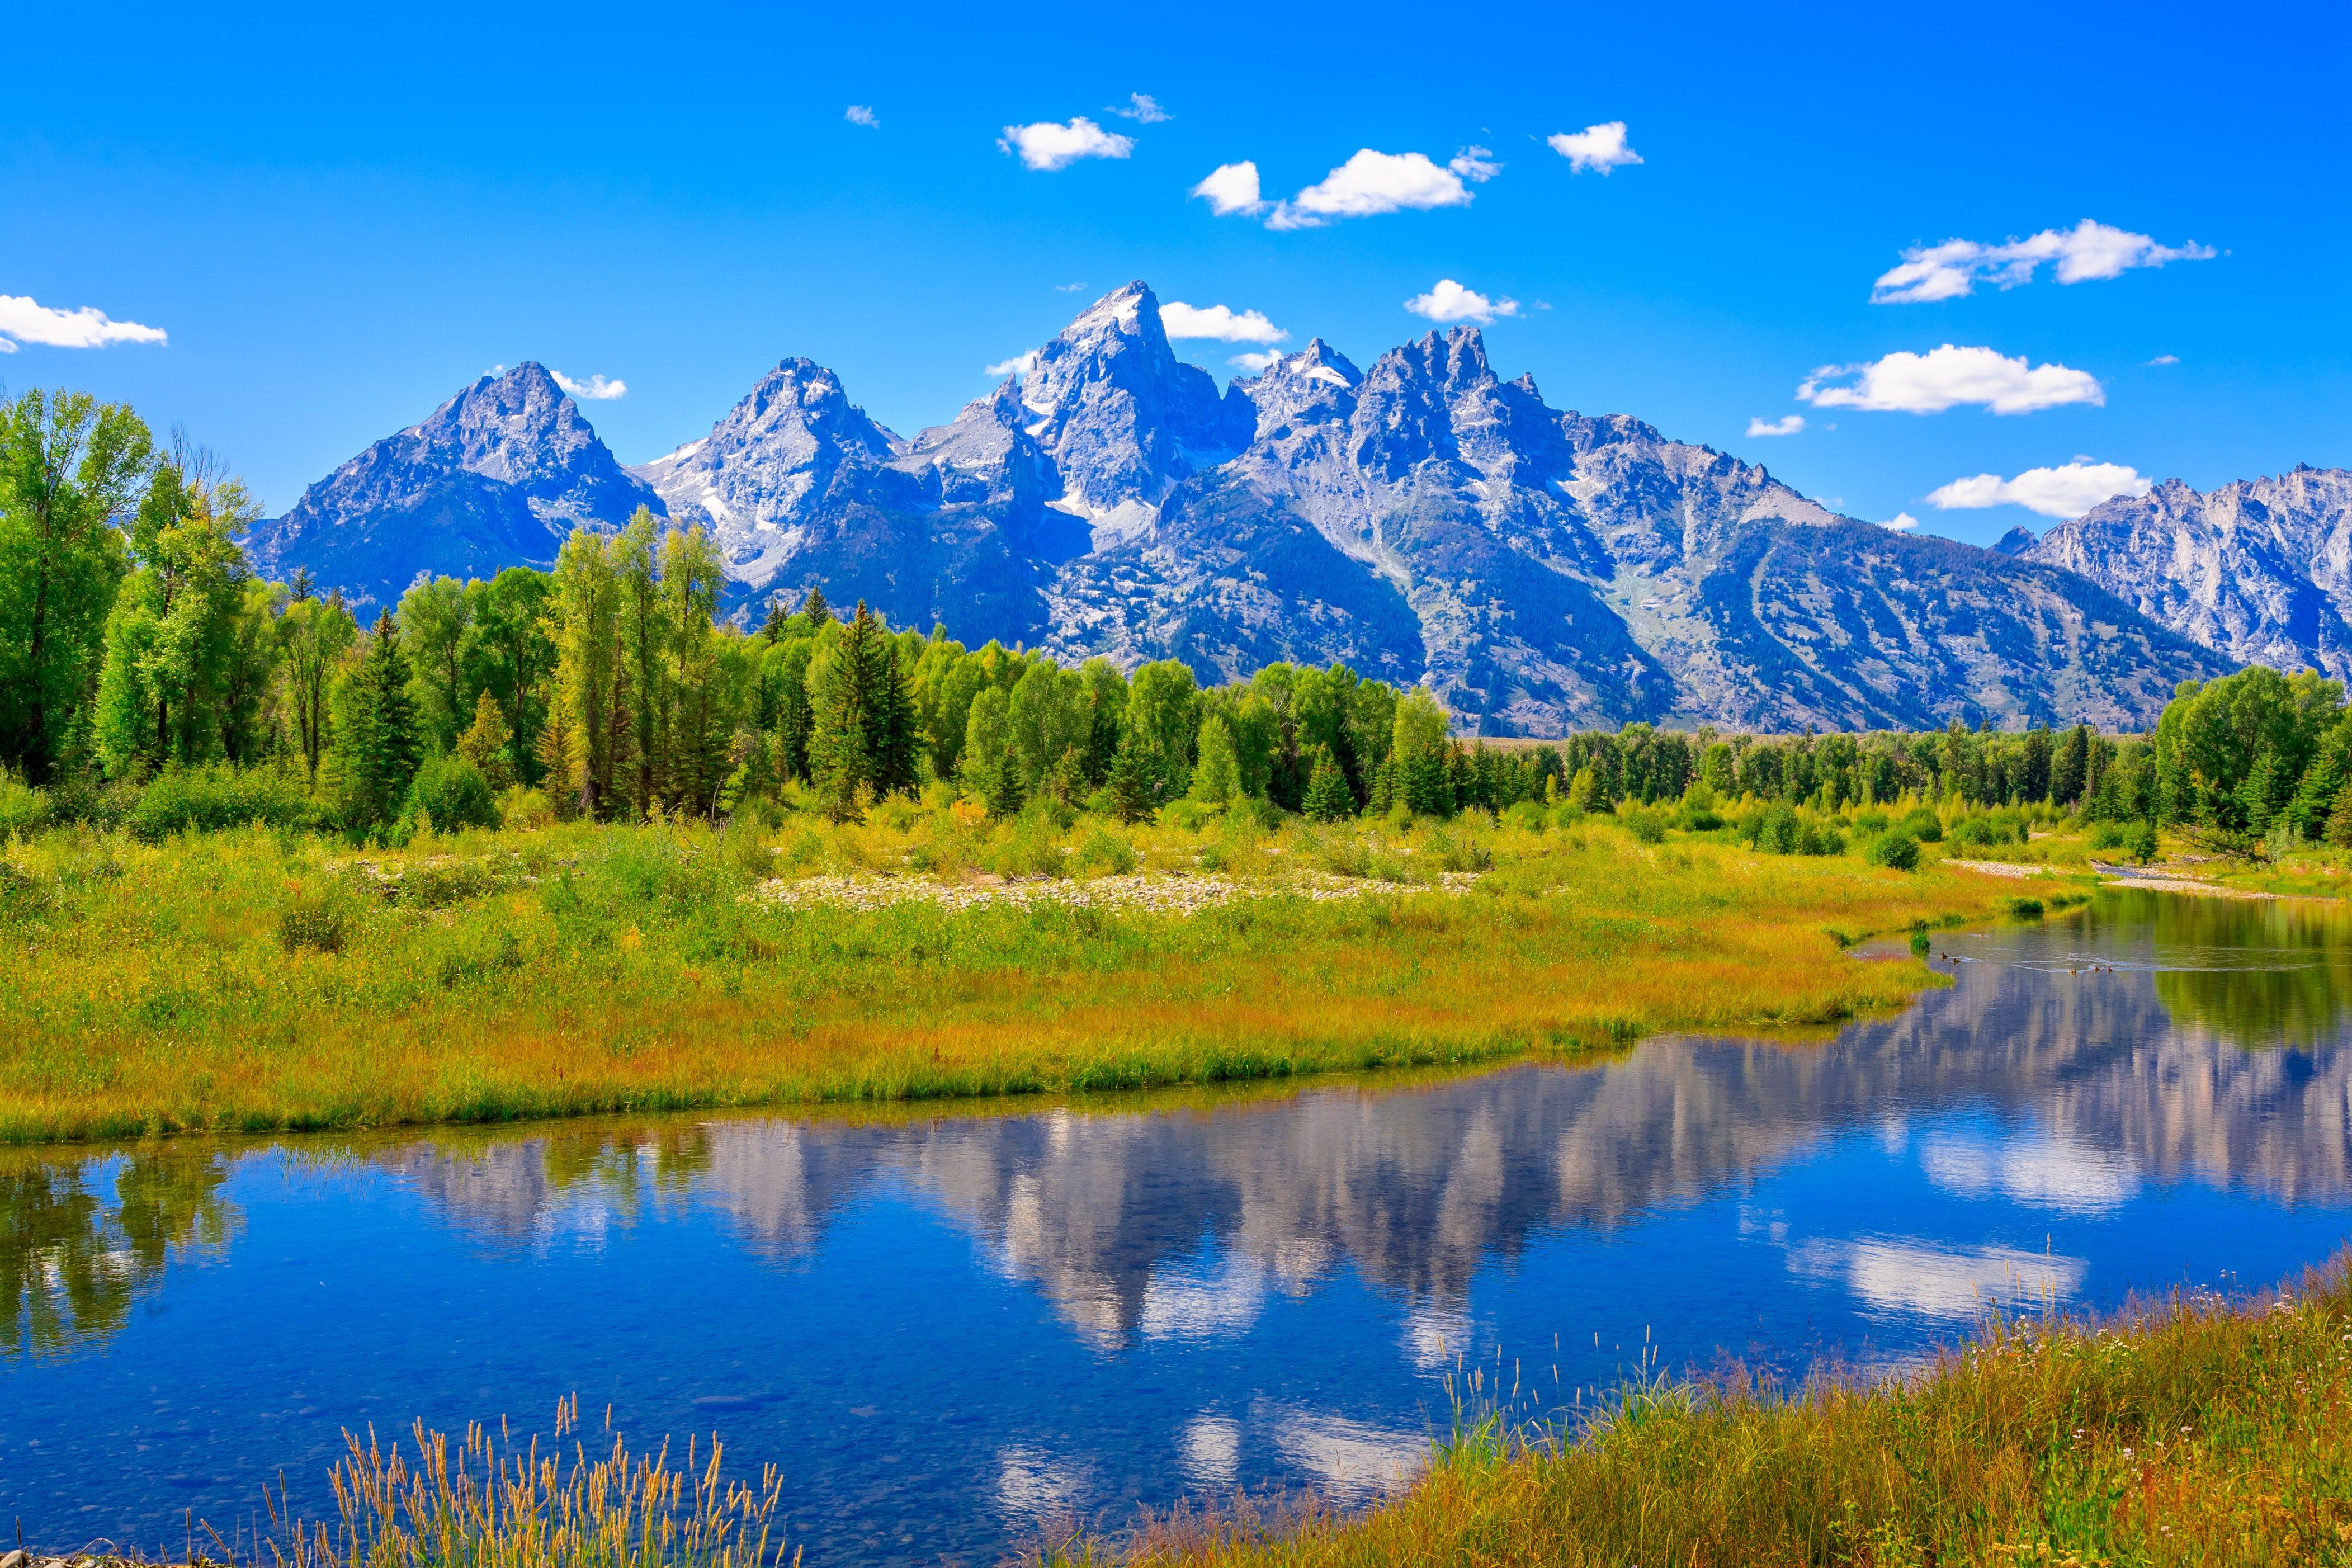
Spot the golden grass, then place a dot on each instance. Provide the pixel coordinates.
(2195, 1432)
(580, 969)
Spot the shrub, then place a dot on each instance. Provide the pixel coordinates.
(1820, 838)
(1528, 816)
(1896, 850)
(313, 921)
(1106, 853)
(1646, 824)
(1922, 824)
(2143, 843)
(1460, 852)
(1778, 831)
(1872, 822)
(2109, 835)
(23, 809)
(526, 810)
(208, 799)
(452, 794)
(2021, 909)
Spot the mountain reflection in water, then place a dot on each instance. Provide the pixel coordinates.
(1084, 1307)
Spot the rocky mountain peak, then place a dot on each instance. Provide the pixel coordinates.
(515, 426)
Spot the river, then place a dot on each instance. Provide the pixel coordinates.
(952, 1326)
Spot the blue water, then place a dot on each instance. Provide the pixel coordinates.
(951, 1331)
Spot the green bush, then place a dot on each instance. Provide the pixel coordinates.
(2021, 909)
(1646, 824)
(453, 795)
(208, 799)
(1896, 850)
(1821, 839)
(1779, 831)
(1106, 853)
(23, 809)
(2109, 835)
(2143, 845)
(1922, 824)
(1528, 816)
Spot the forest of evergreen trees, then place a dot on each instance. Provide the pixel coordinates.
(137, 650)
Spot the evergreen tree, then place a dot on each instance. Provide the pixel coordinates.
(771, 630)
(815, 611)
(898, 761)
(376, 745)
(1130, 781)
(863, 745)
(1328, 797)
(1000, 784)
(2069, 771)
(2339, 820)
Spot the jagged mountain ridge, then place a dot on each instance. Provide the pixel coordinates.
(499, 476)
(2260, 569)
(1422, 520)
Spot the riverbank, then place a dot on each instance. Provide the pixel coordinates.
(261, 981)
(2195, 1431)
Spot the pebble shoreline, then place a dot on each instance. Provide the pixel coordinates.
(1136, 892)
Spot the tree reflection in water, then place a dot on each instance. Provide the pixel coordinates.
(72, 1262)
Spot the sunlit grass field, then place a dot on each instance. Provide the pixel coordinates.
(260, 980)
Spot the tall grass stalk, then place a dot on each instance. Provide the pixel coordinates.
(481, 1502)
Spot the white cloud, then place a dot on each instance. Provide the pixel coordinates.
(595, 389)
(2069, 491)
(1143, 109)
(1047, 145)
(23, 320)
(1019, 364)
(1218, 323)
(2166, 359)
(1596, 149)
(1260, 363)
(858, 114)
(1901, 523)
(1945, 377)
(1371, 184)
(1787, 425)
(2085, 253)
(1450, 301)
(1475, 165)
(1067, 288)
(1231, 188)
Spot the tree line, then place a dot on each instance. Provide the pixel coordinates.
(136, 640)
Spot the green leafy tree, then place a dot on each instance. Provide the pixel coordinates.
(512, 655)
(377, 745)
(702, 722)
(1163, 713)
(590, 703)
(436, 625)
(314, 636)
(1047, 715)
(70, 468)
(644, 645)
(169, 635)
(1216, 773)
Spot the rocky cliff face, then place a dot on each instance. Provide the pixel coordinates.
(2260, 569)
(1423, 519)
(497, 477)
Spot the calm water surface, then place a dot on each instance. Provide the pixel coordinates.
(949, 1329)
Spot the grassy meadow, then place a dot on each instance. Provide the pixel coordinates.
(257, 979)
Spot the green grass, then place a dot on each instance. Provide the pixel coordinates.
(262, 979)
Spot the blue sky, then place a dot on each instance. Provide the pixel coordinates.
(338, 216)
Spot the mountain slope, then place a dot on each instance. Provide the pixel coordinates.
(2260, 569)
(499, 476)
(1422, 520)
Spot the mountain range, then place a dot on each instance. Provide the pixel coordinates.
(1421, 519)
